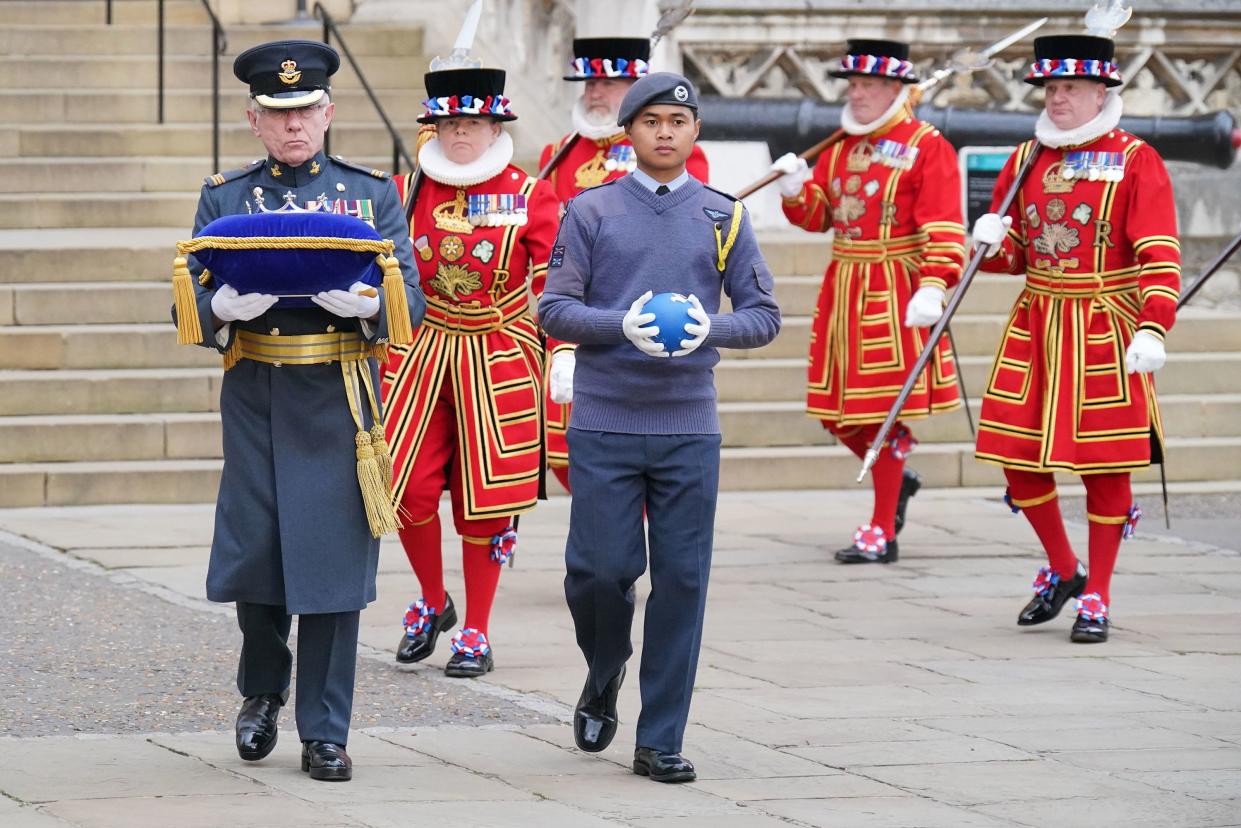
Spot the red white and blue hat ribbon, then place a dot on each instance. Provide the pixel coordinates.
(1051, 68)
(609, 68)
(883, 65)
(467, 105)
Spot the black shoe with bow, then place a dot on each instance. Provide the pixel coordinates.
(1050, 594)
(910, 484)
(594, 719)
(663, 767)
(256, 725)
(326, 762)
(419, 639)
(1092, 624)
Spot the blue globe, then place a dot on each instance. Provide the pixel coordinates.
(671, 316)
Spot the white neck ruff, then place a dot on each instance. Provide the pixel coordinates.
(434, 163)
(586, 128)
(1049, 135)
(851, 125)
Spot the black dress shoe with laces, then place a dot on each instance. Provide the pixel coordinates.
(326, 762)
(663, 767)
(910, 484)
(1050, 594)
(256, 725)
(419, 645)
(594, 719)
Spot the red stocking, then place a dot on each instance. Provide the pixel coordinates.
(422, 547)
(1035, 494)
(1108, 499)
(482, 574)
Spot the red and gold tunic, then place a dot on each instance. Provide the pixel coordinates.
(478, 335)
(586, 165)
(1094, 233)
(893, 198)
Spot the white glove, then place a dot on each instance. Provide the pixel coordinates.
(925, 307)
(990, 231)
(639, 330)
(560, 377)
(349, 303)
(698, 332)
(794, 172)
(230, 306)
(1145, 353)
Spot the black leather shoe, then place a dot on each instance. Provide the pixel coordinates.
(464, 666)
(326, 762)
(663, 767)
(417, 647)
(1050, 595)
(256, 725)
(853, 555)
(594, 719)
(1086, 631)
(910, 484)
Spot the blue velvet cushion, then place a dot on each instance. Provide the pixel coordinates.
(299, 271)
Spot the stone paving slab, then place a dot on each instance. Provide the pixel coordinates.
(827, 695)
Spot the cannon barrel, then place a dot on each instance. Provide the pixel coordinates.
(792, 125)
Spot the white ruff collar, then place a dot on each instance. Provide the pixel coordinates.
(850, 124)
(1049, 135)
(434, 163)
(586, 128)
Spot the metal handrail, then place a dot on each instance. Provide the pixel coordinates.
(219, 45)
(399, 151)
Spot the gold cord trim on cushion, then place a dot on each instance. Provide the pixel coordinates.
(284, 243)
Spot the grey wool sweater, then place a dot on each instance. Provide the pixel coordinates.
(618, 241)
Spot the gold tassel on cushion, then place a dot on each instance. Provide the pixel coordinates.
(189, 327)
(400, 328)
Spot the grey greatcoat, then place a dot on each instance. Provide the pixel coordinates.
(290, 528)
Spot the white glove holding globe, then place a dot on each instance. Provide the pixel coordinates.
(698, 331)
(638, 329)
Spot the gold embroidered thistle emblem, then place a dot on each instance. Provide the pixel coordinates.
(314, 167)
(291, 74)
(455, 281)
(453, 216)
(1054, 181)
(850, 209)
(860, 157)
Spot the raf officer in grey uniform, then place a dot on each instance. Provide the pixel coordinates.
(291, 533)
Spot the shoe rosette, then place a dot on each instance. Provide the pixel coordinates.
(471, 643)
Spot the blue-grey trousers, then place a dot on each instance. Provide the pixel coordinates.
(614, 477)
(327, 650)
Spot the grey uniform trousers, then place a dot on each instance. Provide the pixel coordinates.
(614, 477)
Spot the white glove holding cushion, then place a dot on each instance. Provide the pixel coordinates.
(925, 307)
(228, 305)
(638, 329)
(698, 331)
(1145, 353)
(794, 172)
(990, 230)
(560, 377)
(349, 303)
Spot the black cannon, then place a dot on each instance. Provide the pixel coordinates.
(793, 125)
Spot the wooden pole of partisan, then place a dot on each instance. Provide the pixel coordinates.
(555, 159)
(1210, 271)
(872, 453)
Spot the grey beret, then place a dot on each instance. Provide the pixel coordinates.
(657, 88)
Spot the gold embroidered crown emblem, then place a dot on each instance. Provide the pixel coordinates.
(1054, 180)
(290, 75)
(860, 157)
(453, 216)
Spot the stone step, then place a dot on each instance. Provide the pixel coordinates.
(94, 302)
(92, 12)
(182, 71)
(815, 467)
(73, 38)
(110, 391)
(77, 255)
(61, 106)
(761, 380)
(978, 334)
(122, 175)
(99, 346)
(798, 295)
(349, 137)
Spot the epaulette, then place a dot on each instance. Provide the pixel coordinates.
(728, 196)
(231, 175)
(380, 174)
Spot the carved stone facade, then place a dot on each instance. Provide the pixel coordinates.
(1178, 58)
